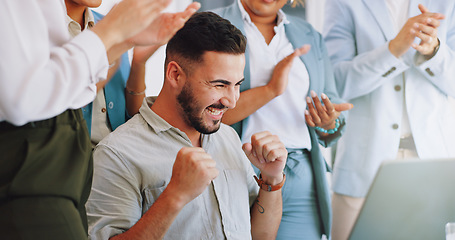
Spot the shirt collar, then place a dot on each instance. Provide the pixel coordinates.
(74, 28)
(89, 18)
(157, 123)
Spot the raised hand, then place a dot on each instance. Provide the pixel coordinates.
(423, 26)
(127, 19)
(323, 116)
(428, 33)
(279, 81)
(268, 154)
(193, 171)
(161, 30)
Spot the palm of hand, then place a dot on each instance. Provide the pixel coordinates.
(161, 30)
(280, 76)
(167, 25)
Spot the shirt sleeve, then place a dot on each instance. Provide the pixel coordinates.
(115, 202)
(440, 68)
(42, 71)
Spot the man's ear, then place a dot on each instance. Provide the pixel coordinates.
(175, 75)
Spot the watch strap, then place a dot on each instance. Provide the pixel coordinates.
(269, 188)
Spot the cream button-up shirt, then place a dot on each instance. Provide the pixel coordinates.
(133, 166)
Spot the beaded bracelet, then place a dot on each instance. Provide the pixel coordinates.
(330, 131)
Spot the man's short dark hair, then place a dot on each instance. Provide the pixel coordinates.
(203, 32)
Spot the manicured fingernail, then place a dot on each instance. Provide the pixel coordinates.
(323, 96)
(308, 100)
(313, 93)
(307, 112)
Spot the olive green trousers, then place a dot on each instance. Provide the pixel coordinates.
(46, 171)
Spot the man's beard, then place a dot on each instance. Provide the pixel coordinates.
(192, 116)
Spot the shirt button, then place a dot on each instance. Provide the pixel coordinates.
(103, 110)
(428, 70)
(395, 126)
(397, 88)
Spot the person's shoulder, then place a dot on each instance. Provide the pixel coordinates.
(127, 133)
(301, 23)
(122, 146)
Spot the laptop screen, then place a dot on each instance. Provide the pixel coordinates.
(410, 199)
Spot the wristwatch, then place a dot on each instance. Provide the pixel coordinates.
(267, 187)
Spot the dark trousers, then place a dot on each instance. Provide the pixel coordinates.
(45, 178)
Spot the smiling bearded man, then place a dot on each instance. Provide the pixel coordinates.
(156, 176)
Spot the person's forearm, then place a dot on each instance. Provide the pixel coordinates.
(135, 88)
(249, 102)
(267, 210)
(266, 215)
(157, 220)
(116, 51)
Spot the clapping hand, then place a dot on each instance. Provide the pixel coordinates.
(427, 32)
(279, 81)
(163, 28)
(424, 26)
(323, 116)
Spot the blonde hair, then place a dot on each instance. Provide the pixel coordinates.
(295, 3)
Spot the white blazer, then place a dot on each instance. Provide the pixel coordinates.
(357, 33)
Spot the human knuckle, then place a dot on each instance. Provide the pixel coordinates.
(275, 137)
(267, 148)
(192, 154)
(254, 138)
(273, 153)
